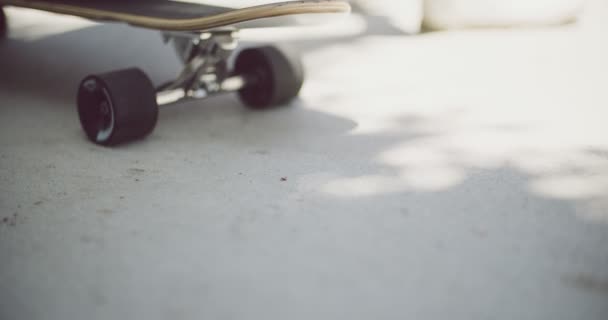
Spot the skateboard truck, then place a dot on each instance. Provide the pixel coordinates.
(205, 71)
(122, 106)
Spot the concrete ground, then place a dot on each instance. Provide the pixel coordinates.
(452, 175)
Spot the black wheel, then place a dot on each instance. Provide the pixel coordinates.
(273, 77)
(3, 24)
(117, 107)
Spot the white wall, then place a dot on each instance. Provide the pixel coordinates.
(444, 14)
(450, 14)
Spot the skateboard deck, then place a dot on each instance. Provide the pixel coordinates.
(183, 16)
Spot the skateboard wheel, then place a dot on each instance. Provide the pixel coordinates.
(3, 24)
(117, 107)
(273, 77)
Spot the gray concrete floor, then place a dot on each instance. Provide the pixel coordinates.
(454, 175)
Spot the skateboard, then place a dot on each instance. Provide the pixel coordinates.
(122, 106)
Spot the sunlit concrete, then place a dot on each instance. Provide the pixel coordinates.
(450, 175)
